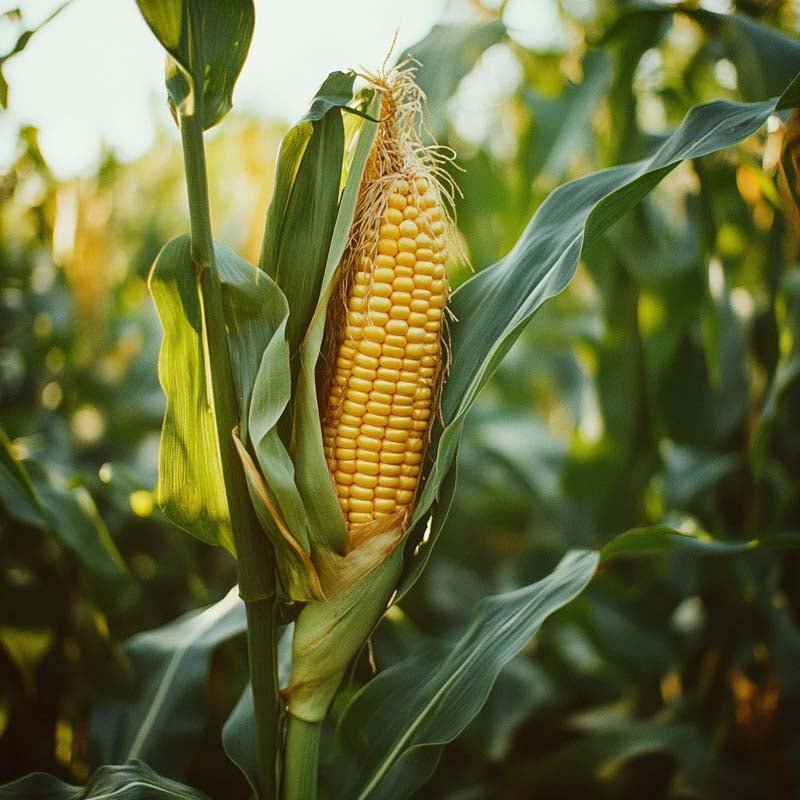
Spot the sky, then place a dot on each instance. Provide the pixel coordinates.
(95, 74)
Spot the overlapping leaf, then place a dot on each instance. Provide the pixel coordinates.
(160, 716)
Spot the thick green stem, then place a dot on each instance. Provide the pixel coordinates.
(302, 760)
(255, 560)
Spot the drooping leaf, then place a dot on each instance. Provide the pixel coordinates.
(191, 489)
(446, 55)
(134, 781)
(160, 716)
(16, 489)
(256, 312)
(392, 731)
(766, 58)
(74, 517)
(574, 767)
(207, 42)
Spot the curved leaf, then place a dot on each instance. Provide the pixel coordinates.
(493, 307)
(766, 58)
(161, 716)
(393, 729)
(207, 42)
(239, 734)
(134, 781)
(663, 539)
(256, 312)
(191, 489)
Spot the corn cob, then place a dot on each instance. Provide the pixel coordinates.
(382, 389)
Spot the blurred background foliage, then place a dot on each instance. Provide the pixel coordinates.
(660, 387)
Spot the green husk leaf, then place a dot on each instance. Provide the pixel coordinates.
(328, 634)
(313, 480)
(303, 209)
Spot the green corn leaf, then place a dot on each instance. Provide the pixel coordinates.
(659, 539)
(160, 715)
(207, 43)
(493, 307)
(239, 734)
(256, 312)
(389, 748)
(302, 212)
(573, 769)
(766, 59)
(313, 477)
(16, 488)
(134, 781)
(191, 489)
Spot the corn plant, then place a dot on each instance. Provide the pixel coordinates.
(316, 402)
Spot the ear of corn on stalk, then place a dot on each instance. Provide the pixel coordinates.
(379, 385)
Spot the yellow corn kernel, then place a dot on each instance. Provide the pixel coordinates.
(379, 399)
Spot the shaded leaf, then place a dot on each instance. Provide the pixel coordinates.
(134, 781)
(663, 539)
(239, 734)
(45, 499)
(161, 715)
(575, 767)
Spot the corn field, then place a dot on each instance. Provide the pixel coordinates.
(441, 443)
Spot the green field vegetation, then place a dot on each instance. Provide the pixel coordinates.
(651, 407)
